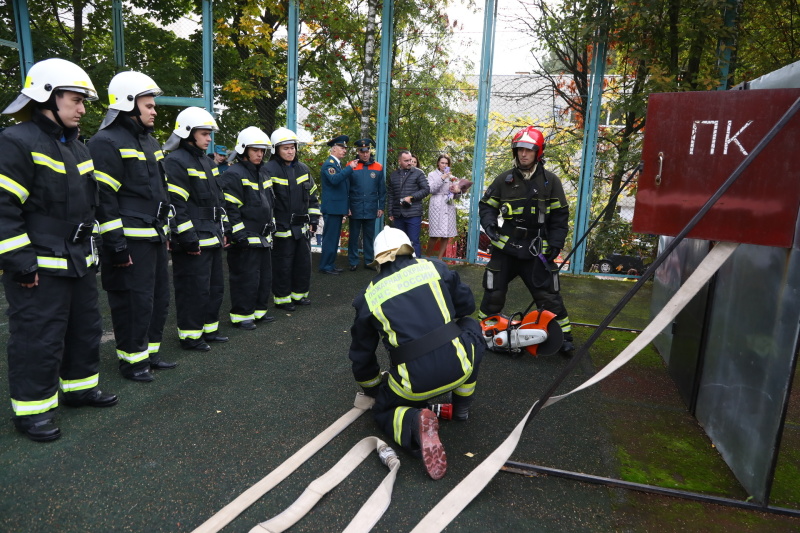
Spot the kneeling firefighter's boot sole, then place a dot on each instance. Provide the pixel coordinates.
(433, 455)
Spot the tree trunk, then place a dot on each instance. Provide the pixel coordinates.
(367, 82)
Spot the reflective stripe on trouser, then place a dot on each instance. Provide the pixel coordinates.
(291, 268)
(250, 281)
(504, 269)
(199, 288)
(54, 338)
(331, 233)
(138, 296)
(356, 224)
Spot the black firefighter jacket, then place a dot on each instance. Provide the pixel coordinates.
(133, 187)
(249, 202)
(197, 198)
(409, 298)
(47, 189)
(296, 202)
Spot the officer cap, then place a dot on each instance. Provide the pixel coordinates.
(341, 140)
(362, 145)
(221, 149)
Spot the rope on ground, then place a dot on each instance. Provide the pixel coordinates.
(223, 517)
(462, 494)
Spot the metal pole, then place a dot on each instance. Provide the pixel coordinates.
(725, 46)
(208, 56)
(479, 155)
(384, 92)
(24, 42)
(291, 67)
(118, 27)
(589, 154)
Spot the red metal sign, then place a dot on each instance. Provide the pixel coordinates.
(693, 143)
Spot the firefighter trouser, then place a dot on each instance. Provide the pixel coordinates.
(250, 277)
(356, 224)
(199, 288)
(397, 416)
(501, 271)
(291, 268)
(331, 232)
(54, 341)
(138, 296)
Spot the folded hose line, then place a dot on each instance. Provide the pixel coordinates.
(462, 494)
(224, 516)
(370, 512)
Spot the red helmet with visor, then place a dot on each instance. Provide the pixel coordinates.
(529, 138)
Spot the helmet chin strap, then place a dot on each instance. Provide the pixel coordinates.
(51, 105)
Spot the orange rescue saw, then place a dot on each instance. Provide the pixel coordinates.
(536, 332)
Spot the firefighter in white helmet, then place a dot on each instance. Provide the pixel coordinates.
(296, 215)
(134, 205)
(420, 310)
(535, 215)
(197, 229)
(48, 198)
(249, 201)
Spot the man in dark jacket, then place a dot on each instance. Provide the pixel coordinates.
(335, 194)
(48, 196)
(367, 198)
(197, 235)
(296, 215)
(134, 205)
(407, 187)
(535, 215)
(249, 201)
(420, 309)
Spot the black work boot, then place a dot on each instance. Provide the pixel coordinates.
(43, 430)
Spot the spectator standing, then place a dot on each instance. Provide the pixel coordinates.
(318, 233)
(221, 157)
(367, 198)
(441, 208)
(335, 201)
(48, 196)
(134, 205)
(407, 188)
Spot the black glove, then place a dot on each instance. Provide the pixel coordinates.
(121, 257)
(243, 243)
(552, 253)
(30, 277)
(313, 228)
(192, 246)
(493, 232)
(372, 392)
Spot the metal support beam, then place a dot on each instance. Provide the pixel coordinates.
(725, 46)
(180, 101)
(22, 24)
(208, 55)
(384, 92)
(118, 27)
(589, 152)
(291, 67)
(481, 132)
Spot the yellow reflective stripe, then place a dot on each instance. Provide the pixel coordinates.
(397, 424)
(314, 211)
(153, 347)
(492, 202)
(41, 159)
(374, 382)
(140, 232)
(411, 277)
(313, 189)
(467, 389)
(440, 300)
(102, 177)
(241, 318)
(267, 184)
(185, 226)
(111, 225)
(190, 333)
(237, 227)
(197, 173)
(86, 166)
(566, 327)
(33, 408)
(282, 299)
(232, 199)
(248, 183)
(254, 240)
(14, 188)
(302, 178)
(51, 262)
(408, 394)
(215, 171)
(14, 242)
(133, 357)
(71, 385)
(280, 181)
(89, 260)
(286, 233)
(183, 193)
(159, 155)
(391, 335)
(131, 153)
(210, 328)
(501, 242)
(260, 313)
(298, 296)
(209, 242)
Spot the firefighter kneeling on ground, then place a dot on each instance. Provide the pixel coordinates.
(419, 309)
(535, 215)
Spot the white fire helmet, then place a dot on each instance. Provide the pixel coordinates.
(284, 136)
(252, 137)
(49, 75)
(189, 119)
(390, 243)
(125, 87)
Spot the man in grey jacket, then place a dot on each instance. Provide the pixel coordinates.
(407, 187)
